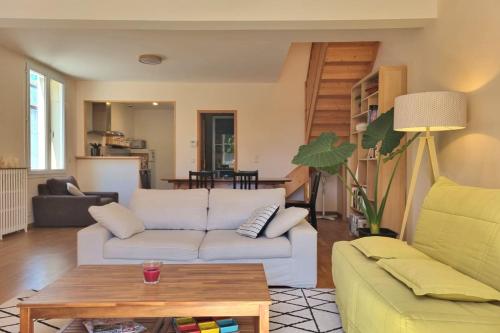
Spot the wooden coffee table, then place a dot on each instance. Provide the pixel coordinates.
(118, 291)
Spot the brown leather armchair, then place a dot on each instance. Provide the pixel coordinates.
(54, 206)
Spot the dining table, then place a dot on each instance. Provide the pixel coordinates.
(227, 182)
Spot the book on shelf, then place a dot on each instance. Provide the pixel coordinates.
(356, 221)
(372, 113)
(357, 202)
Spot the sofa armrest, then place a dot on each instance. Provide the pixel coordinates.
(304, 240)
(91, 242)
(63, 210)
(112, 195)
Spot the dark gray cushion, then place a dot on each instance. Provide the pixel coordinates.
(104, 201)
(57, 186)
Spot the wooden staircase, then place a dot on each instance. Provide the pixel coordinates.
(333, 70)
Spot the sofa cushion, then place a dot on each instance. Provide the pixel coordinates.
(460, 226)
(118, 219)
(434, 279)
(73, 190)
(104, 201)
(171, 209)
(370, 300)
(228, 209)
(259, 220)
(284, 221)
(377, 247)
(57, 186)
(227, 244)
(156, 245)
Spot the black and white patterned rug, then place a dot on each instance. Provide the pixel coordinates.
(9, 317)
(304, 310)
(293, 310)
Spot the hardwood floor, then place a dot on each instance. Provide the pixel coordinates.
(34, 259)
(329, 232)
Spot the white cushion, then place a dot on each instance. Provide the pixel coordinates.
(171, 209)
(256, 224)
(284, 221)
(119, 220)
(227, 244)
(228, 209)
(156, 245)
(73, 190)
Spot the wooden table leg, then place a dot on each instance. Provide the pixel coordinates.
(261, 324)
(26, 322)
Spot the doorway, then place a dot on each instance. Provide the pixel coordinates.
(217, 144)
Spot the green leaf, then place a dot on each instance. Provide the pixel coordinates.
(403, 148)
(382, 130)
(331, 170)
(322, 153)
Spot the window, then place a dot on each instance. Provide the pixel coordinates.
(46, 123)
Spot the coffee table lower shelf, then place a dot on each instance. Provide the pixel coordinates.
(246, 325)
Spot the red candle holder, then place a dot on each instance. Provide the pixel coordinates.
(151, 271)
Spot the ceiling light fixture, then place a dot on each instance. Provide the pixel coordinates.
(150, 59)
(155, 103)
(108, 103)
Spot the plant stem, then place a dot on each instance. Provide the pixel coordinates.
(386, 194)
(375, 190)
(343, 180)
(368, 206)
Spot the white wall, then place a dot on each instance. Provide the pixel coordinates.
(458, 51)
(122, 119)
(13, 113)
(270, 115)
(157, 127)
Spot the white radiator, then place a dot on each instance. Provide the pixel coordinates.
(13, 200)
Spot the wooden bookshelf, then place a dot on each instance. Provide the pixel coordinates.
(379, 89)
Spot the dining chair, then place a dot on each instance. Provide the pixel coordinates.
(201, 179)
(245, 179)
(311, 203)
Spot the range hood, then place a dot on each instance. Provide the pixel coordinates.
(101, 119)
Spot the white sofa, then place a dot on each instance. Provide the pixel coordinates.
(198, 226)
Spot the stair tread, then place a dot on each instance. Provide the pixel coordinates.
(334, 96)
(353, 80)
(336, 111)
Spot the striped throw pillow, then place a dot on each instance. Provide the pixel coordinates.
(256, 224)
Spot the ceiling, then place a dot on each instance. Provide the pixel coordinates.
(147, 105)
(190, 55)
(215, 41)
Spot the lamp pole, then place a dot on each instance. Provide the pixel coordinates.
(425, 140)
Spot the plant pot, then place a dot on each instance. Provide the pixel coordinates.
(384, 232)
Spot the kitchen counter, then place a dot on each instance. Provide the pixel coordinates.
(107, 157)
(109, 174)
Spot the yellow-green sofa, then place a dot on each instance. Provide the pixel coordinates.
(458, 226)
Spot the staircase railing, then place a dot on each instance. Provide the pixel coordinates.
(316, 63)
(299, 177)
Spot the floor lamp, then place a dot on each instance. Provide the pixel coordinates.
(427, 112)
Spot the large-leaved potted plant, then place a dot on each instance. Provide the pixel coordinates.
(326, 154)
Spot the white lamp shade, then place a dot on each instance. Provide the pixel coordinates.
(433, 111)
